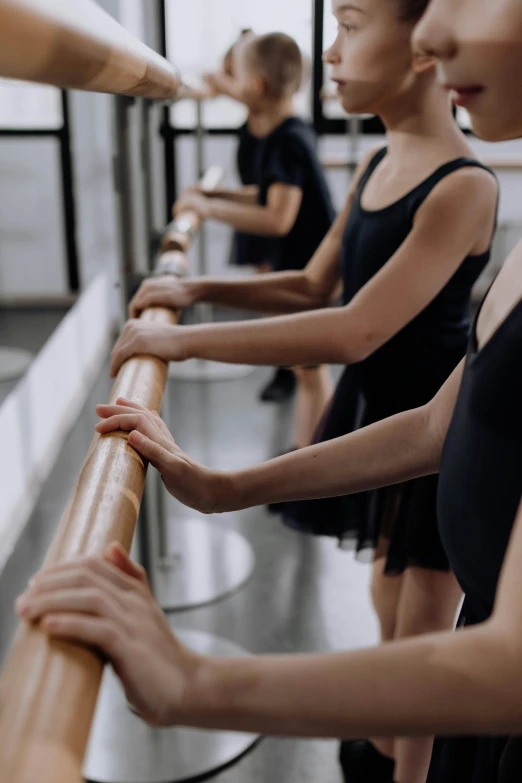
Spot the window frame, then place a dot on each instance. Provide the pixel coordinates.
(63, 136)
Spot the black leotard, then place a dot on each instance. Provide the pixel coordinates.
(480, 490)
(405, 373)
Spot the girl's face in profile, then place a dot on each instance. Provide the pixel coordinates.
(478, 45)
(371, 58)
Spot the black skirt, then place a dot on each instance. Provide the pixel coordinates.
(249, 250)
(398, 522)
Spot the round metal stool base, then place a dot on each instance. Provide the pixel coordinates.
(14, 362)
(124, 749)
(203, 371)
(207, 561)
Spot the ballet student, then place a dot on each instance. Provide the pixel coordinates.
(413, 238)
(293, 210)
(464, 685)
(248, 249)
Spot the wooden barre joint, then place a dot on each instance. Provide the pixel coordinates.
(48, 690)
(75, 44)
(178, 235)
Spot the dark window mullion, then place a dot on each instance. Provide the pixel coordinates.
(69, 206)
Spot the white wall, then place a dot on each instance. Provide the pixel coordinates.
(36, 417)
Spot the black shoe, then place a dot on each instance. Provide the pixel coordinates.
(281, 388)
(361, 762)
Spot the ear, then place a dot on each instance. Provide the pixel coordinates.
(258, 86)
(422, 63)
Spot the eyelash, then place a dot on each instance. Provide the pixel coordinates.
(348, 27)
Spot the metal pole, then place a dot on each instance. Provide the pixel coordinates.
(205, 312)
(354, 131)
(147, 528)
(123, 188)
(201, 370)
(145, 115)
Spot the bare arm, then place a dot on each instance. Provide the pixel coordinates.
(397, 449)
(391, 299)
(247, 194)
(275, 219)
(278, 292)
(446, 683)
(468, 682)
(282, 292)
(402, 447)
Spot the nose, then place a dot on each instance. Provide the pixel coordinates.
(432, 36)
(331, 55)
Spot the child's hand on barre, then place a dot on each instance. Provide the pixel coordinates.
(220, 83)
(145, 339)
(192, 200)
(107, 604)
(167, 291)
(193, 484)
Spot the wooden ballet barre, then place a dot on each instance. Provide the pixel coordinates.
(49, 689)
(76, 44)
(179, 233)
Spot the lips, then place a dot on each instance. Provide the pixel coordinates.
(464, 96)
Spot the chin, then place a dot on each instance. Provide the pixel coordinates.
(352, 106)
(495, 130)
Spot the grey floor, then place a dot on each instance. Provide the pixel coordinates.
(28, 329)
(305, 595)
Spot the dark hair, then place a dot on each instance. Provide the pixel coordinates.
(412, 10)
(278, 60)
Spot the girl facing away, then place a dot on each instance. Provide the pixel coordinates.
(465, 684)
(411, 241)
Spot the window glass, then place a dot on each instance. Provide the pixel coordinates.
(29, 106)
(199, 33)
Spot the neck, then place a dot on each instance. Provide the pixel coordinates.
(265, 118)
(421, 118)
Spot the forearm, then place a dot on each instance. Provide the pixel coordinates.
(248, 194)
(279, 292)
(397, 449)
(451, 683)
(252, 219)
(291, 340)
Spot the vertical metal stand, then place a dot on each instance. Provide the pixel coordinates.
(200, 561)
(145, 114)
(354, 131)
(202, 370)
(123, 187)
(122, 748)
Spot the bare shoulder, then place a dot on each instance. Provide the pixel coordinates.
(475, 184)
(467, 196)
